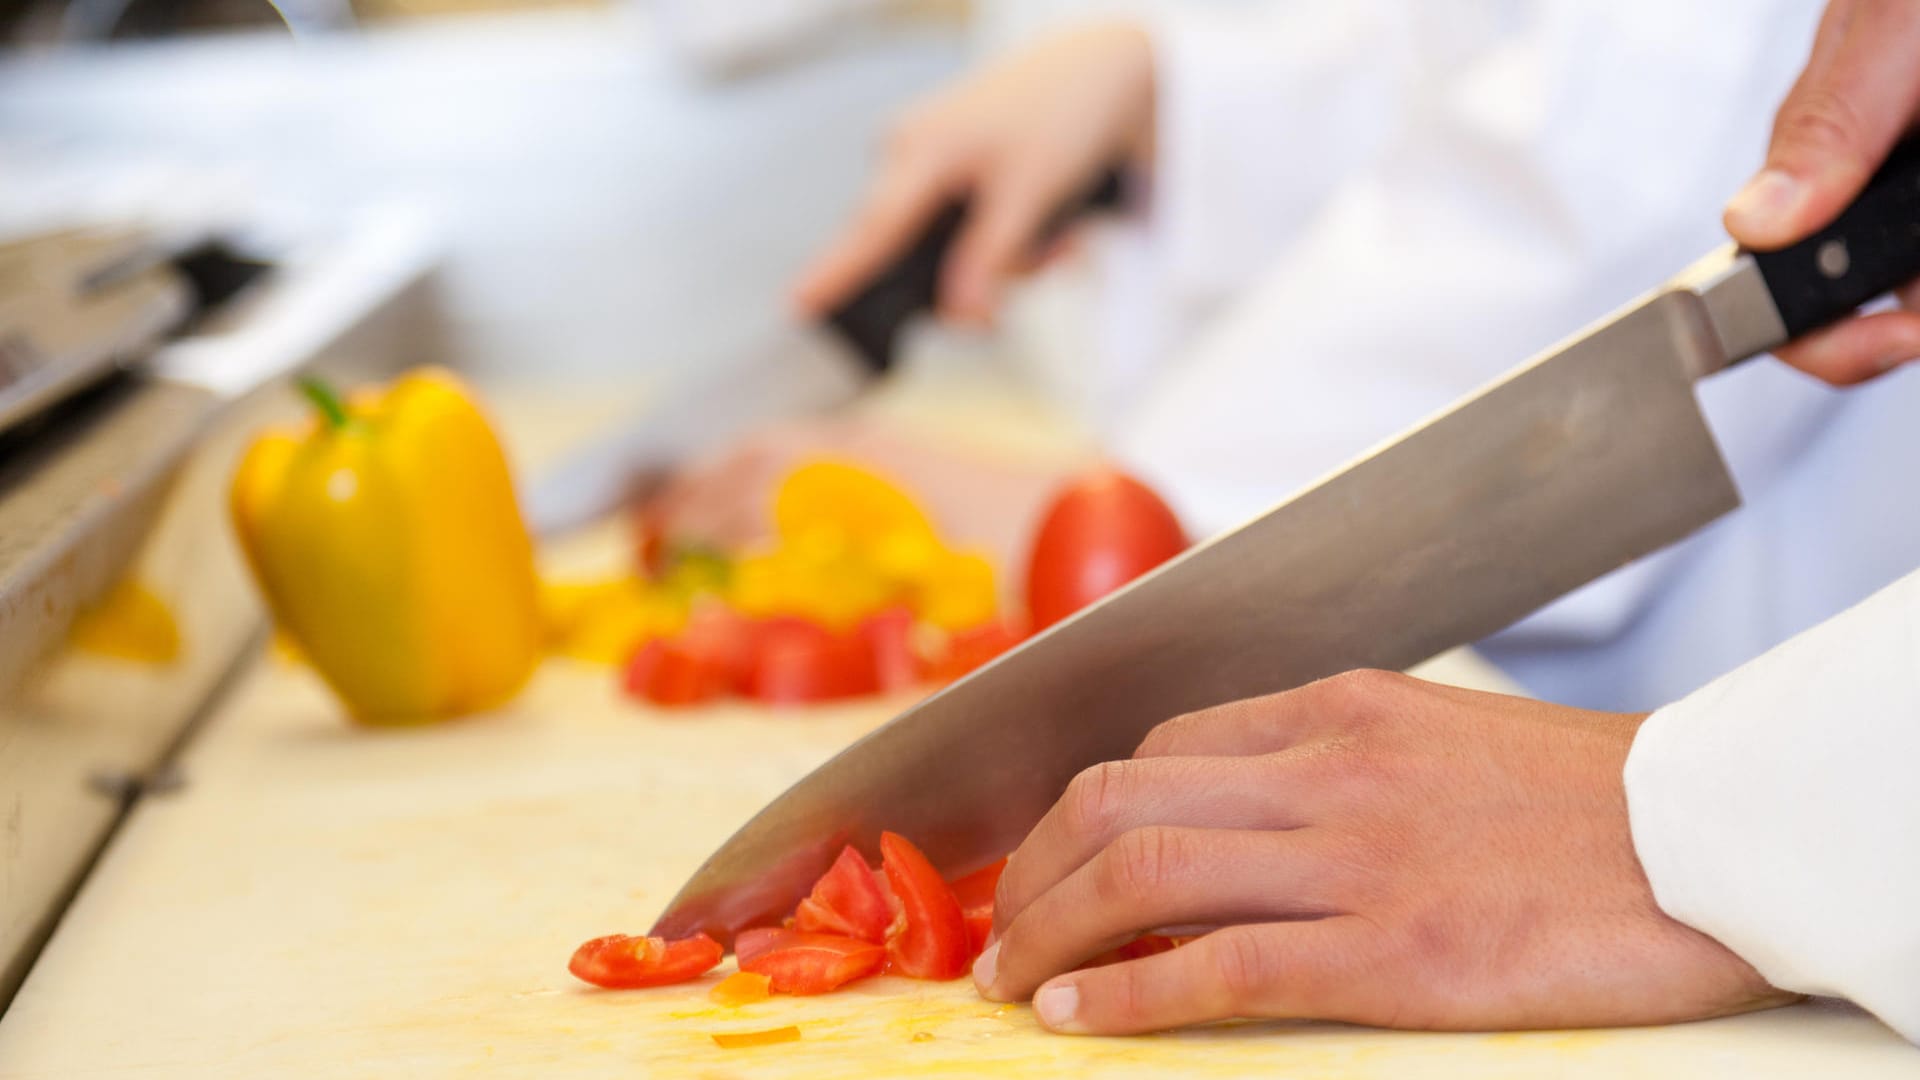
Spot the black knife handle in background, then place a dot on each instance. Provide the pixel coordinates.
(872, 320)
(1871, 249)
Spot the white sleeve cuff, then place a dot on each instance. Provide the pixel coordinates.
(1778, 809)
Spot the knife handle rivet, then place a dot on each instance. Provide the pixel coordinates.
(1833, 260)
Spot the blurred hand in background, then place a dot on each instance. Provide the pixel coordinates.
(1018, 139)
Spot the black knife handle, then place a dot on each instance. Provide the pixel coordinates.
(871, 321)
(1871, 249)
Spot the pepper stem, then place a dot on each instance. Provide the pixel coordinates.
(326, 401)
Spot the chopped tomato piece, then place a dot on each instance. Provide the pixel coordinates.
(668, 672)
(975, 894)
(971, 649)
(797, 962)
(795, 662)
(704, 662)
(928, 940)
(741, 988)
(735, 1040)
(623, 963)
(889, 638)
(846, 901)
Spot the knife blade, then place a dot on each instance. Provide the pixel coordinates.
(1577, 462)
(803, 369)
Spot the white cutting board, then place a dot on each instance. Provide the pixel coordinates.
(326, 902)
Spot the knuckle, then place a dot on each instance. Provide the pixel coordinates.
(1137, 861)
(1243, 964)
(1167, 735)
(1097, 797)
(1365, 687)
(1820, 120)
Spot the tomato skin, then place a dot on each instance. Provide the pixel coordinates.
(974, 893)
(969, 650)
(796, 663)
(1103, 530)
(846, 901)
(803, 963)
(928, 939)
(620, 962)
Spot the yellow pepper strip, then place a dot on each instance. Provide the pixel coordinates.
(390, 547)
(129, 623)
(736, 1040)
(742, 988)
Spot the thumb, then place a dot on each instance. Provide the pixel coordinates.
(1860, 91)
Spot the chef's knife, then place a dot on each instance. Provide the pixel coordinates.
(1574, 464)
(808, 369)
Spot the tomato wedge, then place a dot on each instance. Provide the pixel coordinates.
(620, 962)
(974, 893)
(928, 940)
(795, 662)
(797, 962)
(846, 901)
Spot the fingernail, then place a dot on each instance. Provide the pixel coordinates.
(1894, 359)
(984, 968)
(1768, 199)
(1056, 1005)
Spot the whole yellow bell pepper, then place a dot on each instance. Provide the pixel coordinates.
(390, 547)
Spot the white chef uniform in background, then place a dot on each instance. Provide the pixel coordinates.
(1374, 207)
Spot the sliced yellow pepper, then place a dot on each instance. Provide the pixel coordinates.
(390, 547)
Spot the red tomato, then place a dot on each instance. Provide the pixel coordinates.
(846, 901)
(928, 940)
(620, 962)
(796, 662)
(1102, 531)
(889, 638)
(968, 650)
(974, 893)
(803, 963)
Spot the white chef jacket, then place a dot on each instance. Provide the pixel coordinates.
(1373, 207)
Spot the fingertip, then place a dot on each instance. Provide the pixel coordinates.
(1770, 211)
(1057, 1005)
